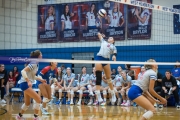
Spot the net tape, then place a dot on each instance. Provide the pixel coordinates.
(148, 5)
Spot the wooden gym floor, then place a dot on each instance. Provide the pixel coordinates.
(67, 112)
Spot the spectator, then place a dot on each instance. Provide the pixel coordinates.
(127, 67)
(176, 71)
(15, 73)
(113, 74)
(140, 75)
(11, 82)
(131, 74)
(63, 68)
(169, 86)
(3, 82)
(158, 85)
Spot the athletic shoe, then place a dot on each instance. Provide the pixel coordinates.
(3, 101)
(44, 112)
(71, 103)
(134, 104)
(160, 106)
(155, 105)
(58, 102)
(103, 103)
(36, 118)
(95, 103)
(79, 103)
(127, 104)
(68, 103)
(123, 104)
(50, 103)
(19, 118)
(119, 102)
(6, 95)
(90, 103)
(177, 106)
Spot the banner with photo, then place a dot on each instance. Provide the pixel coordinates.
(80, 22)
(139, 22)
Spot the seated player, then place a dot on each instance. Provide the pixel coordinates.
(92, 85)
(126, 84)
(68, 80)
(117, 87)
(58, 85)
(83, 81)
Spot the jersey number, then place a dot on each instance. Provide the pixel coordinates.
(114, 17)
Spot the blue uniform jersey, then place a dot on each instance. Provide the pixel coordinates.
(48, 74)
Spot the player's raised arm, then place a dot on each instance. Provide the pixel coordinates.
(100, 36)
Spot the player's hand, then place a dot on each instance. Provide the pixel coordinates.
(163, 101)
(103, 35)
(158, 102)
(165, 91)
(29, 84)
(114, 58)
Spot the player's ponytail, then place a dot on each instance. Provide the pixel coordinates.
(35, 54)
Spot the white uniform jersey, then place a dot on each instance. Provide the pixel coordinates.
(147, 14)
(33, 68)
(114, 18)
(144, 83)
(125, 82)
(84, 79)
(118, 80)
(106, 49)
(91, 19)
(67, 23)
(93, 79)
(68, 79)
(48, 22)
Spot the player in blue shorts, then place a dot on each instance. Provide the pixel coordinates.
(104, 54)
(28, 77)
(139, 91)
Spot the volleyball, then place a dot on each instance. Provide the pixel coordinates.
(102, 12)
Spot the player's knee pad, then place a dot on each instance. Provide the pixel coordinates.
(72, 92)
(36, 106)
(60, 90)
(52, 86)
(45, 100)
(89, 86)
(104, 92)
(24, 107)
(80, 92)
(109, 81)
(109, 90)
(98, 77)
(115, 90)
(148, 115)
(97, 92)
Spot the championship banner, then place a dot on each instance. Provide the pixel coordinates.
(139, 22)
